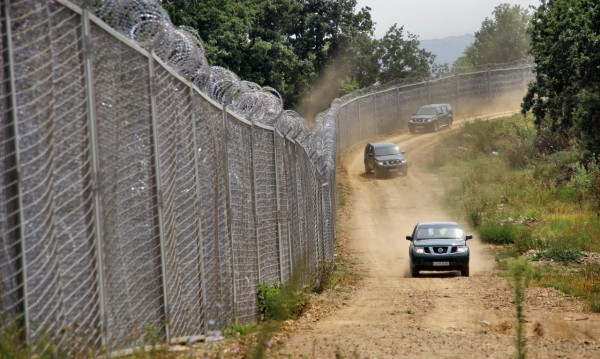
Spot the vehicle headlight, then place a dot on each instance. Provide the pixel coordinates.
(402, 161)
(380, 163)
(462, 249)
(419, 250)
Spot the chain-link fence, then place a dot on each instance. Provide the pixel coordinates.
(144, 194)
(380, 111)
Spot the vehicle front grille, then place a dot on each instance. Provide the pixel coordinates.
(419, 120)
(438, 250)
(391, 162)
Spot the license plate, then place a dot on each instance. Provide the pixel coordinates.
(441, 264)
(394, 169)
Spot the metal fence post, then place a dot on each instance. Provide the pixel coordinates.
(20, 236)
(398, 119)
(255, 202)
(278, 199)
(199, 218)
(456, 94)
(95, 163)
(375, 114)
(159, 194)
(228, 192)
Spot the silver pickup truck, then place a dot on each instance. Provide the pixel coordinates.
(431, 118)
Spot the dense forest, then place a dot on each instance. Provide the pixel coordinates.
(313, 51)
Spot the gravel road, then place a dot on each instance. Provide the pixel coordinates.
(439, 315)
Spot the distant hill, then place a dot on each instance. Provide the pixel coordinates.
(448, 49)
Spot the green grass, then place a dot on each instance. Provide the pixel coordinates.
(522, 199)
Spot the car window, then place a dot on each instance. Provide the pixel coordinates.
(387, 150)
(430, 232)
(427, 111)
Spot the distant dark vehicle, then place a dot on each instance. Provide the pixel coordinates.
(383, 158)
(438, 246)
(431, 118)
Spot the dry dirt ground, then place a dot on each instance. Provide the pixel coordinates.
(439, 315)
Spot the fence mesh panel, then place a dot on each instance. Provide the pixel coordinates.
(131, 243)
(134, 207)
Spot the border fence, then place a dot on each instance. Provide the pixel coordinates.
(142, 194)
(379, 111)
(145, 194)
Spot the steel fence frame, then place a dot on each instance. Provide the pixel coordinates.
(132, 205)
(366, 115)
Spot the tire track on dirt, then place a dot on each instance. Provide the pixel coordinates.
(439, 314)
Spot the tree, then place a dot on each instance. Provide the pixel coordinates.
(284, 44)
(501, 39)
(401, 57)
(565, 95)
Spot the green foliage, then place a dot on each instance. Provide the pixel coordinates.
(280, 302)
(501, 39)
(401, 57)
(561, 254)
(497, 233)
(520, 274)
(13, 346)
(564, 98)
(310, 51)
(237, 329)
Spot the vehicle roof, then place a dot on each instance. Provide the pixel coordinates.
(440, 104)
(437, 223)
(381, 144)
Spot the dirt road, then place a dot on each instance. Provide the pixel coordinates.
(439, 315)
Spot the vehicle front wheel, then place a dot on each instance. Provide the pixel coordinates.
(435, 127)
(414, 272)
(412, 130)
(404, 171)
(464, 271)
(367, 170)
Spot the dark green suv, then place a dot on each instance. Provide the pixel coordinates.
(384, 158)
(438, 246)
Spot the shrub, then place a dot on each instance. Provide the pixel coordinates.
(561, 254)
(322, 276)
(497, 233)
(277, 302)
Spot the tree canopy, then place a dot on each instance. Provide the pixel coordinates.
(295, 46)
(501, 39)
(565, 45)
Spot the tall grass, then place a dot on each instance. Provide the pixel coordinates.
(510, 186)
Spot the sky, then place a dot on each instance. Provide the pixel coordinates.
(434, 19)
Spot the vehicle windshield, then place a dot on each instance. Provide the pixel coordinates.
(387, 150)
(426, 111)
(439, 231)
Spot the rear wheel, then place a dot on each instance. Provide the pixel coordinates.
(464, 271)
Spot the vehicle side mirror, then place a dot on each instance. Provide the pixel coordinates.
(409, 238)
(403, 152)
(468, 236)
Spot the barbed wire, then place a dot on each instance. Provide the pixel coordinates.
(149, 25)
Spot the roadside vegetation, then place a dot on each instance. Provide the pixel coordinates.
(528, 202)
